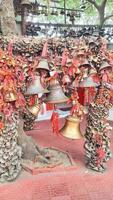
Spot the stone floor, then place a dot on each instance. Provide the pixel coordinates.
(78, 183)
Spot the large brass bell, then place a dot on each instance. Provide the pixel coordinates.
(43, 64)
(36, 87)
(35, 108)
(10, 96)
(56, 95)
(71, 128)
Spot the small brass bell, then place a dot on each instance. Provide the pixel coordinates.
(85, 63)
(36, 87)
(104, 65)
(43, 64)
(71, 128)
(10, 96)
(56, 94)
(68, 62)
(66, 79)
(35, 108)
(92, 71)
(26, 3)
(80, 53)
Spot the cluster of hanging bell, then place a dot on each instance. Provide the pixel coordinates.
(36, 87)
(54, 95)
(32, 111)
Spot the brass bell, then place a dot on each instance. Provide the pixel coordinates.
(68, 62)
(56, 94)
(85, 63)
(80, 53)
(85, 74)
(35, 108)
(43, 64)
(10, 96)
(92, 71)
(92, 41)
(26, 3)
(104, 65)
(66, 79)
(36, 87)
(71, 128)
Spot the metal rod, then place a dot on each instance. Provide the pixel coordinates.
(68, 25)
(61, 8)
(64, 11)
(23, 20)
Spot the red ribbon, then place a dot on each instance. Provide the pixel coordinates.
(10, 48)
(54, 121)
(32, 100)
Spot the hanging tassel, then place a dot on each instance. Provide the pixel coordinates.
(54, 121)
(45, 50)
(10, 48)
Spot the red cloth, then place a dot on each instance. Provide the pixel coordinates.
(81, 94)
(54, 121)
(49, 106)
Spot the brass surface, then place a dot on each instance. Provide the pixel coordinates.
(56, 94)
(36, 87)
(34, 109)
(71, 128)
(26, 3)
(10, 96)
(43, 64)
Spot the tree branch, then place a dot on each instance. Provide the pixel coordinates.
(103, 3)
(94, 3)
(107, 17)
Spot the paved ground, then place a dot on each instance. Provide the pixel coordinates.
(77, 184)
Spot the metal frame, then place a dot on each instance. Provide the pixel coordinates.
(70, 25)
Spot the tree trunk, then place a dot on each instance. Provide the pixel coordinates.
(101, 10)
(101, 16)
(8, 23)
(30, 149)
